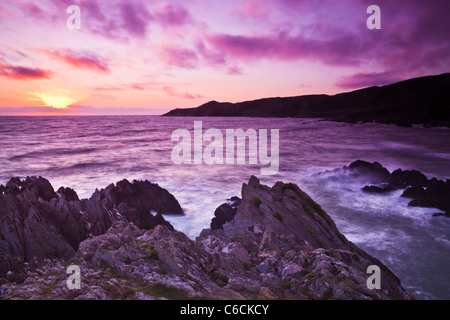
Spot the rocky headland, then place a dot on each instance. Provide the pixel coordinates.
(271, 243)
(424, 100)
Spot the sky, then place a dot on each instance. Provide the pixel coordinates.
(148, 57)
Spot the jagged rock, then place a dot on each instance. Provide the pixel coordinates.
(264, 257)
(141, 195)
(68, 194)
(281, 228)
(35, 222)
(287, 210)
(225, 213)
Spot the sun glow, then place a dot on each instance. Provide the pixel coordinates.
(62, 101)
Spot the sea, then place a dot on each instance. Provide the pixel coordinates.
(89, 152)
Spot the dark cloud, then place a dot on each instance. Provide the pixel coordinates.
(23, 73)
(338, 51)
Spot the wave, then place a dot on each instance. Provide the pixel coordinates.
(82, 165)
(52, 152)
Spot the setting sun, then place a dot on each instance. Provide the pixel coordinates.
(62, 101)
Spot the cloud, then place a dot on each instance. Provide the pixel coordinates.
(413, 39)
(178, 56)
(83, 59)
(140, 86)
(172, 15)
(135, 17)
(256, 9)
(284, 47)
(23, 73)
(362, 80)
(234, 71)
(32, 9)
(174, 93)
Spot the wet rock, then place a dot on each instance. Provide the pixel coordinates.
(440, 214)
(435, 195)
(425, 192)
(414, 192)
(377, 189)
(405, 178)
(375, 170)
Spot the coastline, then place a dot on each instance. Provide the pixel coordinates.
(259, 234)
(259, 253)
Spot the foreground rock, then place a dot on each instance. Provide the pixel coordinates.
(282, 246)
(425, 192)
(37, 222)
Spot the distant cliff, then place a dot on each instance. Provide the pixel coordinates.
(424, 100)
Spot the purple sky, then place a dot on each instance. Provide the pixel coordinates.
(150, 56)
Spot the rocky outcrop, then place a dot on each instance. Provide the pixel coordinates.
(425, 192)
(225, 213)
(284, 212)
(258, 255)
(37, 222)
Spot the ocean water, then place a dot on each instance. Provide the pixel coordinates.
(86, 153)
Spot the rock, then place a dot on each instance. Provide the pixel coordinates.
(405, 178)
(68, 194)
(375, 169)
(435, 195)
(439, 214)
(223, 213)
(8, 263)
(414, 192)
(287, 210)
(294, 240)
(256, 255)
(35, 222)
(425, 192)
(398, 179)
(141, 195)
(377, 189)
